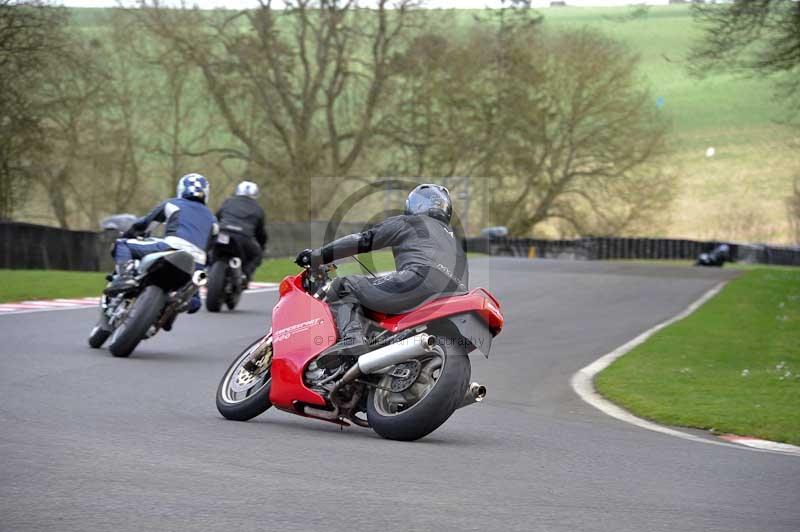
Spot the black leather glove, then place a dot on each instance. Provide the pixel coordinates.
(309, 258)
(130, 233)
(304, 258)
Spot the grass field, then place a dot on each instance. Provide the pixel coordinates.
(732, 367)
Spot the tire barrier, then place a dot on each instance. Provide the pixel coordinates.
(612, 248)
(29, 246)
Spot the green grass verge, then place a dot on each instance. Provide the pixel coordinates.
(738, 266)
(733, 366)
(22, 285)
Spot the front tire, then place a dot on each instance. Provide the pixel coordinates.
(388, 417)
(243, 392)
(215, 288)
(146, 310)
(98, 336)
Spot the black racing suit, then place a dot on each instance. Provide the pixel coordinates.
(429, 260)
(244, 220)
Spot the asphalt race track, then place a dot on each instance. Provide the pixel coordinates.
(89, 442)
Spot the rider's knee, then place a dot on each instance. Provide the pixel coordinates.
(194, 304)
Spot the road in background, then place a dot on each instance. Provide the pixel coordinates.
(90, 442)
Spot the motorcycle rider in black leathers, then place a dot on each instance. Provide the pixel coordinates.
(243, 219)
(429, 259)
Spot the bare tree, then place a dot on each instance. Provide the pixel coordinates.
(299, 88)
(448, 120)
(558, 120)
(92, 102)
(583, 139)
(751, 36)
(443, 111)
(29, 37)
(178, 117)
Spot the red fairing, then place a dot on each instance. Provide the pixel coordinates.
(479, 301)
(302, 327)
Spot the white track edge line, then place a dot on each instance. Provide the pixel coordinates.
(583, 383)
(84, 307)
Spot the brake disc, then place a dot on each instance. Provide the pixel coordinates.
(251, 371)
(404, 375)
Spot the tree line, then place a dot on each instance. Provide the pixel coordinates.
(553, 127)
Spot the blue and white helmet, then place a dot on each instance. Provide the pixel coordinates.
(194, 186)
(247, 188)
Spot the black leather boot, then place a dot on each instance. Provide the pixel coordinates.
(349, 322)
(123, 279)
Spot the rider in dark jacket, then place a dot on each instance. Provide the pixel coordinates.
(428, 257)
(188, 226)
(244, 220)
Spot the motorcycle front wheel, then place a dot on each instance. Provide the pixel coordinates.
(101, 331)
(243, 392)
(146, 310)
(418, 409)
(98, 336)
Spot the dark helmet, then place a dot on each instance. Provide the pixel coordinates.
(431, 200)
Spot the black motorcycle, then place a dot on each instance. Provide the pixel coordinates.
(716, 257)
(165, 282)
(226, 279)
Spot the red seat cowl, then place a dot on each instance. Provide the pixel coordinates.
(479, 300)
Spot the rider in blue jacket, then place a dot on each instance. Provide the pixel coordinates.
(189, 225)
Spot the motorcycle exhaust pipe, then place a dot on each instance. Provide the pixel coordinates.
(199, 278)
(396, 353)
(475, 394)
(389, 355)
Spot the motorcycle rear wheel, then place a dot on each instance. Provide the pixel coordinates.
(215, 288)
(416, 412)
(243, 392)
(233, 298)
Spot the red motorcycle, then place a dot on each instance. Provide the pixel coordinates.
(416, 375)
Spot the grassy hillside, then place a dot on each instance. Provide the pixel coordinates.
(737, 194)
(740, 192)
